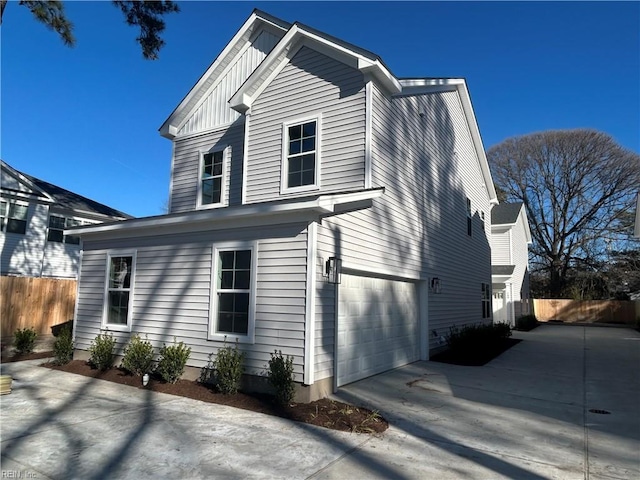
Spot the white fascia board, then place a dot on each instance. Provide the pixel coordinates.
(636, 230)
(284, 50)
(170, 127)
(27, 197)
(258, 214)
(525, 224)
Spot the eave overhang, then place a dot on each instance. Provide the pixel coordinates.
(251, 215)
(169, 129)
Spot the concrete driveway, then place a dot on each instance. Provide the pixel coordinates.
(524, 415)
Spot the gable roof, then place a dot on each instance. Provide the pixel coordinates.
(65, 198)
(505, 213)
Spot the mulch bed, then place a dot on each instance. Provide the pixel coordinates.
(477, 358)
(324, 413)
(8, 358)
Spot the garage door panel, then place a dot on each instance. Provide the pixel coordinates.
(377, 326)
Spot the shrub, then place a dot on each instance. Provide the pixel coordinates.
(228, 368)
(473, 341)
(281, 377)
(63, 346)
(173, 359)
(526, 323)
(138, 356)
(101, 351)
(24, 340)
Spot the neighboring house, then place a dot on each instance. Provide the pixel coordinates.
(300, 160)
(34, 215)
(510, 237)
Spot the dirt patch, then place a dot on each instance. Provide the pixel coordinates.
(477, 358)
(324, 413)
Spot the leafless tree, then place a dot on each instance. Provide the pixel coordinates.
(576, 186)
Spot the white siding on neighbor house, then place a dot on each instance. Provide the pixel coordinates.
(418, 228)
(311, 84)
(501, 247)
(172, 291)
(186, 163)
(520, 254)
(23, 254)
(60, 260)
(9, 182)
(214, 110)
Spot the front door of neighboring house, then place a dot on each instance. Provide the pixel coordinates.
(499, 307)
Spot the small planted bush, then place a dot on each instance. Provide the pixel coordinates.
(526, 323)
(101, 351)
(228, 369)
(475, 342)
(281, 377)
(63, 346)
(138, 356)
(173, 359)
(25, 340)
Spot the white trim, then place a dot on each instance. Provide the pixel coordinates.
(105, 303)
(310, 310)
(29, 214)
(171, 173)
(355, 269)
(77, 302)
(423, 317)
(225, 149)
(212, 334)
(284, 165)
(254, 214)
(245, 159)
(368, 132)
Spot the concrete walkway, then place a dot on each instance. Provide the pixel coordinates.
(524, 415)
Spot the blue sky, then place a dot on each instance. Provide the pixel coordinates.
(87, 118)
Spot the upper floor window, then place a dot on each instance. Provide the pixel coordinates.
(57, 224)
(469, 217)
(300, 170)
(211, 183)
(13, 217)
(119, 291)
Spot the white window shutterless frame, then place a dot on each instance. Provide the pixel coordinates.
(119, 290)
(300, 169)
(212, 177)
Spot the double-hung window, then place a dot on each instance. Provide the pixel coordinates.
(300, 170)
(119, 290)
(13, 217)
(211, 186)
(486, 300)
(233, 302)
(57, 224)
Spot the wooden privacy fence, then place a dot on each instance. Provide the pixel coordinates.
(589, 311)
(35, 302)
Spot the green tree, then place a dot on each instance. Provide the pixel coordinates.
(576, 185)
(148, 15)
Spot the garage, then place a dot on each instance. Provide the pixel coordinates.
(378, 326)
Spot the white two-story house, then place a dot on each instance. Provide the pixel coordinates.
(510, 240)
(319, 205)
(33, 217)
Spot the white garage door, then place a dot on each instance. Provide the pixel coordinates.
(377, 326)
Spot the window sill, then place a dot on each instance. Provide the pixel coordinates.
(113, 327)
(230, 338)
(305, 188)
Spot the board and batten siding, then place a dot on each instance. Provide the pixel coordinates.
(418, 228)
(172, 292)
(310, 84)
(186, 165)
(214, 110)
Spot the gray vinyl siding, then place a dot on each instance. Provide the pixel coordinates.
(310, 84)
(418, 228)
(172, 292)
(186, 166)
